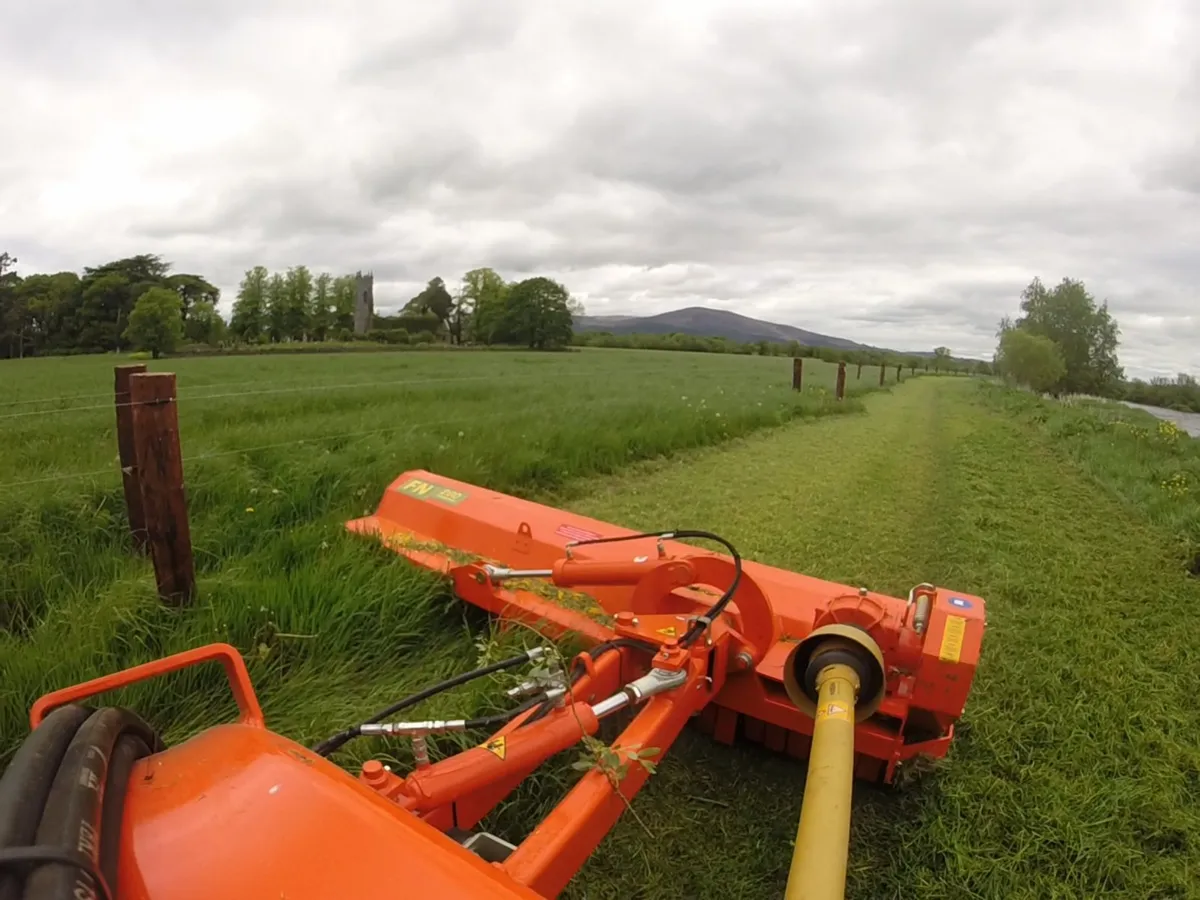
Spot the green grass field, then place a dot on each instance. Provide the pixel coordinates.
(279, 452)
(1077, 769)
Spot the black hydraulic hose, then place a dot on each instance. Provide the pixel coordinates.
(329, 745)
(25, 858)
(74, 811)
(699, 626)
(701, 623)
(26, 785)
(501, 718)
(130, 748)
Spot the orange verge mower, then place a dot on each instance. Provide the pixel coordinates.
(94, 806)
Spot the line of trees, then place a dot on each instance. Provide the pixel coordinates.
(138, 303)
(940, 360)
(483, 308)
(93, 312)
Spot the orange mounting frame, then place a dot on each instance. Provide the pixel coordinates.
(235, 671)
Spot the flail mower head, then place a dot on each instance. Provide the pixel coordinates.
(855, 681)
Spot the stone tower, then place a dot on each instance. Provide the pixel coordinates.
(364, 301)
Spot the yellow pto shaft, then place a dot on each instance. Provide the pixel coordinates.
(818, 870)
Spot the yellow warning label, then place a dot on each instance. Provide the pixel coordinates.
(952, 639)
(833, 710)
(669, 631)
(498, 747)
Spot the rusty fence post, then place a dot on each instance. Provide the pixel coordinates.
(841, 381)
(160, 473)
(126, 454)
(797, 373)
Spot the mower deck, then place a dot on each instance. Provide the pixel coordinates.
(454, 528)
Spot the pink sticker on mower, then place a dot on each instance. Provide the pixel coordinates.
(571, 533)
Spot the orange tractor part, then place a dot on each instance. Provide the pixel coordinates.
(672, 634)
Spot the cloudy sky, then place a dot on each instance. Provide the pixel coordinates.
(891, 172)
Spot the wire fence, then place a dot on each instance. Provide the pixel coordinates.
(469, 419)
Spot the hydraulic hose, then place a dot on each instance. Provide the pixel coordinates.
(701, 623)
(62, 800)
(330, 744)
(26, 785)
(75, 809)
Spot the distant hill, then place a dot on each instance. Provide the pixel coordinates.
(703, 322)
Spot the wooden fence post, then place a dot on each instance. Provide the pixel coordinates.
(841, 381)
(898, 368)
(127, 455)
(160, 472)
(797, 373)
(858, 374)
(882, 373)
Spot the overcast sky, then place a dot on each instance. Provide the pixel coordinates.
(891, 172)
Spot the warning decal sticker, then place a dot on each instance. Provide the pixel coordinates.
(498, 747)
(669, 631)
(952, 639)
(833, 710)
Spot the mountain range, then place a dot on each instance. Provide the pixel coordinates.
(703, 322)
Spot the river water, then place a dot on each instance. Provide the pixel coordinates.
(1189, 422)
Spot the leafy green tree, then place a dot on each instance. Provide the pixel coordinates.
(484, 292)
(321, 314)
(277, 307)
(14, 310)
(204, 324)
(249, 318)
(192, 289)
(1086, 334)
(434, 299)
(538, 314)
(1030, 359)
(156, 321)
(297, 303)
(51, 303)
(343, 303)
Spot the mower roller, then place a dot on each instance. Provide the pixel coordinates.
(857, 682)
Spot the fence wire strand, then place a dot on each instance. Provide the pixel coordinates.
(410, 430)
(189, 398)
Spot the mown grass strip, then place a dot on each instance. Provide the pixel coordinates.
(1076, 772)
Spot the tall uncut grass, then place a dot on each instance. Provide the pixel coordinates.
(279, 452)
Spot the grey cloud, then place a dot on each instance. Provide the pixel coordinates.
(894, 173)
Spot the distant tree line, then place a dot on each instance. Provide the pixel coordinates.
(484, 309)
(1181, 392)
(940, 360)
(138, 304)
(94, 312)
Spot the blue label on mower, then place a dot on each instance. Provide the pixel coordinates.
(960, 602)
